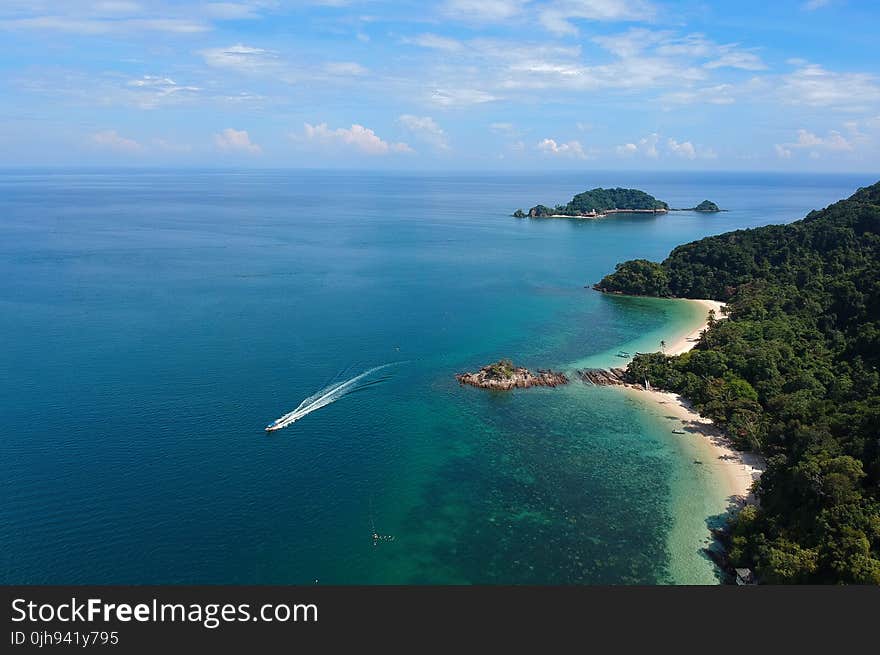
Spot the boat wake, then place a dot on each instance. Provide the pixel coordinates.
(327, 395)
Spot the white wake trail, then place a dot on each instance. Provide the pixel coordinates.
(322, 398)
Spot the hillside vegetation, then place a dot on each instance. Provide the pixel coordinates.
(598, 201)
(792, 374)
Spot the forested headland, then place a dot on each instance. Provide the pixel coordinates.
(792, 374)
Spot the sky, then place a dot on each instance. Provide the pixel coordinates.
(787, 85)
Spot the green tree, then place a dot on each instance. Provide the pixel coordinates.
(792, 373)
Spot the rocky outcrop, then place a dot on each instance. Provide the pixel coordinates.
(604, 377)
(540, 211)
(705, 206)
(503, 376)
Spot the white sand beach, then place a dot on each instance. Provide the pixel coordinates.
(687, 341)
(737, 470)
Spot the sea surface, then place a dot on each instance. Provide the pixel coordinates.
(153, 323)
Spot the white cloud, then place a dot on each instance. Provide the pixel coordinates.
(834, 141)
(502, 128)
(807, 139)
(720, 94)
(853, 128)
(461, 97)
(231, 140)
(690, 45)
(153, 90)
(357, 137)
(646, 146)
(816, 86)
(435, 42)
(252, 60)
(242, 98)
(90, 26)
(738, 59)
(546, 67)
(622, 74)
(345, 68)
(653, 146)
(93, 17)
(557, 16)
(68, 86)
(426, 129)
(572, 149)
(485, 69)
(117, 7)
(782, 152)
(231, 10)
(808, 85)
(685, 150)
(240, 57)
(812, 5)
(695, 46)
(483, 10)
(630, 43)
(112, 140)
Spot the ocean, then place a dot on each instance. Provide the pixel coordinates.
(154, 322)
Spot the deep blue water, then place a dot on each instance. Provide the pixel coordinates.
(153, 322)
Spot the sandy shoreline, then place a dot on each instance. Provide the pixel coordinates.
(737, 470)
(687, 341)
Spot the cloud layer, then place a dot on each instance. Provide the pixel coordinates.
(564, 82)
(232, 140)
(357, 138)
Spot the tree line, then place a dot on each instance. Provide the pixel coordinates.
(792, 374)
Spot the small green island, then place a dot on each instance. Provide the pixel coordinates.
(601, 202)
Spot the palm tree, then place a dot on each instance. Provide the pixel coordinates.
(663, 346)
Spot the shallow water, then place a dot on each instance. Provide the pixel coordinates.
(155, 322)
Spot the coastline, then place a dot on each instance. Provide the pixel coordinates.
(736, 470)
(729, 474)
(604, 213)
(684, 342)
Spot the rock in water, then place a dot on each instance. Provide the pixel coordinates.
(604, 377)
(503, 376)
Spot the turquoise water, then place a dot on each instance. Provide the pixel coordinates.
(155, 321)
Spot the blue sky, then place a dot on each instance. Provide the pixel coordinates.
(491, 84)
